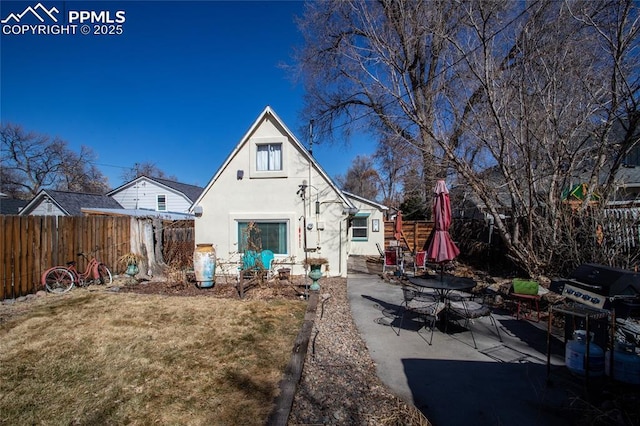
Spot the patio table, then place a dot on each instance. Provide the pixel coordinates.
(443, 285)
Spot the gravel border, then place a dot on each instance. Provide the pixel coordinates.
(339, 384)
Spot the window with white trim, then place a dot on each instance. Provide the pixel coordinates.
(360, 227)
(270, 235)
(269, 157)
(162, 203)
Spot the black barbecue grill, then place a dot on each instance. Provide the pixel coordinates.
(602, 287)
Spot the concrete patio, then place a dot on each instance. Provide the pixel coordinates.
(451, 382)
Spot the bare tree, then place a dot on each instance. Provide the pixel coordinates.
(414, 204)
(78, 174)
(395, 159)
(361, 178)
(31, 162)
(527, 92)
(148, 169)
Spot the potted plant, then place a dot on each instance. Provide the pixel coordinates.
(130, 260)
(283, 266)
(314, 264)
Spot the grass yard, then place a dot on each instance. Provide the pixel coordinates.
(99, 358)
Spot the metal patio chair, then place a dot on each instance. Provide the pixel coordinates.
(425, 305)
(463, 308)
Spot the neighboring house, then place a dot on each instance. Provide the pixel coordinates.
(10, 206)
(272, 181)
(156, 194)
(628, 179)
(465, 204)
(63, 203)
(367, 226)
(628, 184)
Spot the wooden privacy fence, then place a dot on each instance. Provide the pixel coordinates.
(416, 233)
(31, 244)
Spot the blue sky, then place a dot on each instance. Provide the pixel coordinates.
(179, 87)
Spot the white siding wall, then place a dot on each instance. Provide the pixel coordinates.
(257, 196)
(42, 209)
(143, 194)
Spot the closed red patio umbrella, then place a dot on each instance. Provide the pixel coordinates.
(441, 247)
(397, 232)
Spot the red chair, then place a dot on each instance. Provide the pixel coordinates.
(392, 260)
(420, 261)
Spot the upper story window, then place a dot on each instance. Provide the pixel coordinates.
(269, 157)
(162, 203)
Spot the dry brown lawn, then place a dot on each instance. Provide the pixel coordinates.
(99, 358)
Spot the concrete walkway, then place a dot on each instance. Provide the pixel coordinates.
(451, 382)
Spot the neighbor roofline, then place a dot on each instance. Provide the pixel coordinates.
(365, 200)
(131, 182)
(33, 201)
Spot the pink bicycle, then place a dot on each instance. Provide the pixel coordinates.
(60, 279)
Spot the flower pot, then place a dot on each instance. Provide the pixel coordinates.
(315, 274)
(132, 270)
(284, 273)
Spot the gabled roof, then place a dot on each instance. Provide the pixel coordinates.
(192, 192)
(71, 203)
(269, 112)
(365, 200)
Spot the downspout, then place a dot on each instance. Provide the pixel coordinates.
(340, 251)
(310, 159)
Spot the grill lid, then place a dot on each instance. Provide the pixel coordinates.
(607, 281)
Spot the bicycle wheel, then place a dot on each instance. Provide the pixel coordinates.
(58, 280)
(104, 274)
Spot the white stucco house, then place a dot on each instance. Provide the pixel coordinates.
(271, 180)
(156, 194)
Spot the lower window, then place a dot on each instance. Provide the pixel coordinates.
(360, 228)
(266, 235)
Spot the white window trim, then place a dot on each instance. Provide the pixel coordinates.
(253, 149)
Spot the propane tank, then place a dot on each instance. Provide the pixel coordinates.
(626, 363)
(576, 351)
